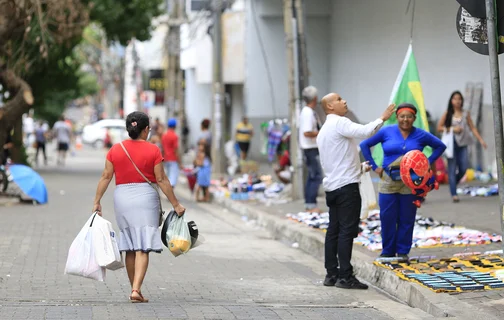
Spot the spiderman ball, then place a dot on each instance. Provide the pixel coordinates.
(414, 169)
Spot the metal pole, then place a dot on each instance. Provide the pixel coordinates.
(292, 69)
(136, 77)
(218, 95)
(496, 100)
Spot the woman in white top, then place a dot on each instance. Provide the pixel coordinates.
(461, 123)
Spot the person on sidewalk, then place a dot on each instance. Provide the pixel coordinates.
(461, 122)
(340, 161)
(203, 164)
(205, 135)
(397, 210)
(40, 140)
(136, 203)
(63, 133)
(170, 143)
(309, 126)
(244, 134)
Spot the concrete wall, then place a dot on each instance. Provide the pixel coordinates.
(265, 21)
(198, 98)
(369, 41)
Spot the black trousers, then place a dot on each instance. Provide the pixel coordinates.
(344, 216)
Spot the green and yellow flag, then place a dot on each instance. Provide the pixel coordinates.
(407, 89)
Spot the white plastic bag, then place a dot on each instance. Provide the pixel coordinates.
(447, 139)
(178, 236)
(81, 257)
(367, 194)
(104, 241)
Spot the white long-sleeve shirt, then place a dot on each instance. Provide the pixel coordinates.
(339, 155)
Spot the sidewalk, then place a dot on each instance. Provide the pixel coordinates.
(238, 273)
(472, 212)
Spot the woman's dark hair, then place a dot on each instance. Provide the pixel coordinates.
(205, 124)
(450, 111)
(136, 122)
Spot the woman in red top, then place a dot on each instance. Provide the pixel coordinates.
(136, 202)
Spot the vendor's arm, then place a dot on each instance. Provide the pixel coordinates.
(366, 147)
(438, 147)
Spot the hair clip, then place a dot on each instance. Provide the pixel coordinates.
(134, 124)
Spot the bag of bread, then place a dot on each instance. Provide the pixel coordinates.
(178, 236)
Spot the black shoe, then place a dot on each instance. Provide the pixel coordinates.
(330, 281)
(403, 257)
(386, 256)
(351, 283)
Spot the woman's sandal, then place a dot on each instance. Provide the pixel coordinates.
(138, 299)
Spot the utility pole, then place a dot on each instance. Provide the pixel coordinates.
(290, 26)
(136, 76)
(303, 58)
(174, 79)
(218, 116)
(496, 100)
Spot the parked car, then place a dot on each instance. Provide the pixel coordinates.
(94, 134)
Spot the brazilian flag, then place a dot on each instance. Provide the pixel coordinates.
(407, 89)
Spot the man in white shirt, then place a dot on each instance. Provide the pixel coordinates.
(309, 126)
(63, 134)
(340, 161)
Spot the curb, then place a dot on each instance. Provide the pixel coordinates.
(312, 243)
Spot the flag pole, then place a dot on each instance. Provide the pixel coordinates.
(496, 100)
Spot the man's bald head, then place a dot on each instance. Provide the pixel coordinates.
(332, 103)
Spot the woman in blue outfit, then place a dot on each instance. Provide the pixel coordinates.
(397, 211)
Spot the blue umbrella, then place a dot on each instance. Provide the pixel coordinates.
(29, 181)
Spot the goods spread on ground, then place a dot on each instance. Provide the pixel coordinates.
(252, 187)
(456, 274)
(428, 232)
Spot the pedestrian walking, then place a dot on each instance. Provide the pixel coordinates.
(136, 202)
(170, 143)
(397, 210)
(40, 140)
(63, 133)
(458, 121)
(244, 134)
(340, 160)
(309, 126)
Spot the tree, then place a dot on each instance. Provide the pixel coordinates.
(37, 38)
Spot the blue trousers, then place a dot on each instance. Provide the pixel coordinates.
(459, 161)
(314, 178)
(397, 215)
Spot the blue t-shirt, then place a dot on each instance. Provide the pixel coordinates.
(394, 145)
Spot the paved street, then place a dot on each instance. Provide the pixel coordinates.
(238, 273)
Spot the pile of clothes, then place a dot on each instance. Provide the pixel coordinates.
(479, 191)
(428, 232)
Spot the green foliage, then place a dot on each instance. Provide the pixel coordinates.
(125, 19)
(57, 80)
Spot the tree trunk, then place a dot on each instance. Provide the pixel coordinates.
(18, 154)
(13, 110)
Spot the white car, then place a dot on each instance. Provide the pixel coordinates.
(94, 134)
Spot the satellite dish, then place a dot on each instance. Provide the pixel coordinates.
(473, 31)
